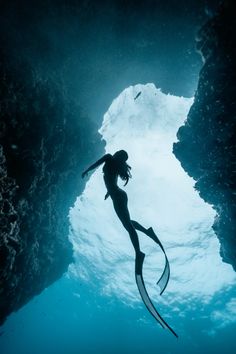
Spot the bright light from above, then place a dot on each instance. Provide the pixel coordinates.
(160, 195)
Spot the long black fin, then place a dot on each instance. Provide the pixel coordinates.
(164, 279)
(145, 297)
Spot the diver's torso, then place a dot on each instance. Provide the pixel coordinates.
(111, 178)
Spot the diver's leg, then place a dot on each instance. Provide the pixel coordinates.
(121, 208)
(149, 232)
(164, 279)
(122, 212)
(139, 227)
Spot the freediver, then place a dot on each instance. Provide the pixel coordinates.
(116, 166)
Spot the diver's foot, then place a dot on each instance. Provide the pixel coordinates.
(139, 262)
(152, 234)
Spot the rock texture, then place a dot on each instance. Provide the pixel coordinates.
(207, 142)
(45, 143)
(56, 53)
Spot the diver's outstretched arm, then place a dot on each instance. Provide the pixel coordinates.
(96, 164)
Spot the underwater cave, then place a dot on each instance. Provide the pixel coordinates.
(84, 78)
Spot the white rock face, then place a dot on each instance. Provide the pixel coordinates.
(160, 195)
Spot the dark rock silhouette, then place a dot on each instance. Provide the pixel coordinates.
(207, 141)
(42, 153)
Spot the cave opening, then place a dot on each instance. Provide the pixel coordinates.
(99, 287)
(144, 121)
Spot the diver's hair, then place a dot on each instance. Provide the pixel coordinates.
(123, 169)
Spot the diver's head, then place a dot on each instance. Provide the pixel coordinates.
(123, 169)
(121, 155)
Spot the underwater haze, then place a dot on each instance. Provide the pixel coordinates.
(96, 307)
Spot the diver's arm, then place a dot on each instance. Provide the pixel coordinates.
(96, 164)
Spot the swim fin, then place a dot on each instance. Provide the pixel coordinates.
(144, 294)
(164, 279)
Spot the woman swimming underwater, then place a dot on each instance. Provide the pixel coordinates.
(116, 166)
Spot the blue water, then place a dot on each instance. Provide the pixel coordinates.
(70, 317)
(98, 315)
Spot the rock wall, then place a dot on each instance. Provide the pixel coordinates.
(45, 143)
(57, 53)
(207, 142)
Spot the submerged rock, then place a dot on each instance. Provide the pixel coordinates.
(207, 142)
(45, 142)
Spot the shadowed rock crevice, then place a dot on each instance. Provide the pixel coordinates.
(45, 142)
(207, 142)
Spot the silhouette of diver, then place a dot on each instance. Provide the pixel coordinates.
(116, 166)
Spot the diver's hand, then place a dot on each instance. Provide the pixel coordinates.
(106, 196)
(84, 174)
